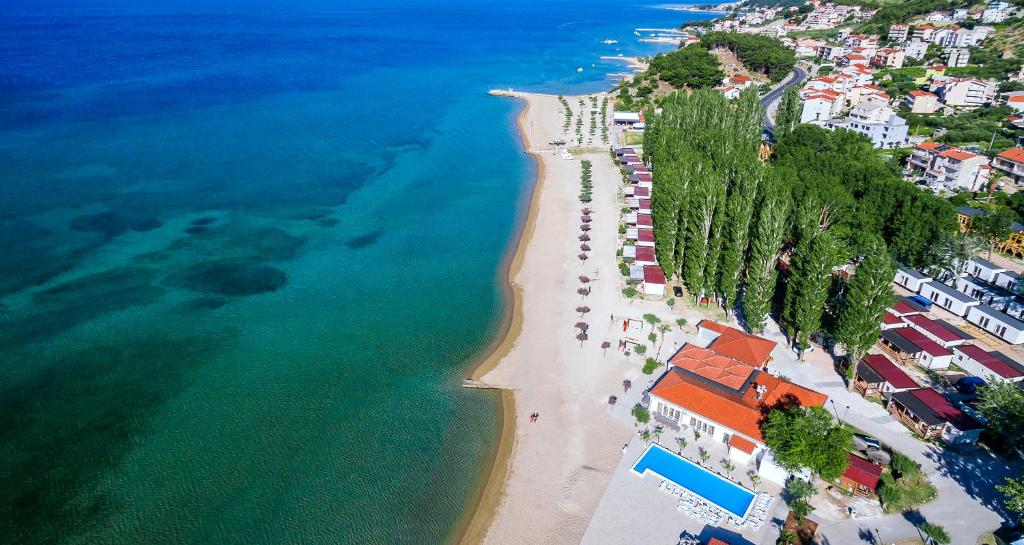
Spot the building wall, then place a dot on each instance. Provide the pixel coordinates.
(995, 326)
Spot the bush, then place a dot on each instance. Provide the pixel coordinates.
(903, 466)
(641, 414)
(650, 366)
(624, 269)
(630, 292)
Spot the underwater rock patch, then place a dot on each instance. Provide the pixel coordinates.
(230, 277)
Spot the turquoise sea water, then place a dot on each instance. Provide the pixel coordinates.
(247, 252)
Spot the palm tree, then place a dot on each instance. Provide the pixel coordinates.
(681, 441)
(652, 319)
(935, 533)
(786, 538)
(646, 435)
(626, 385)
(658, 429)
(663, 329)
(681, 322)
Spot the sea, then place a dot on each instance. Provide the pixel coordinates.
(250, 250)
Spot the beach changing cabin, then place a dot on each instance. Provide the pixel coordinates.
(991, 366)
(1008, 280)
(645, 237)
(940, 331)
(998, 323)
(645, 256)
(861, 477)
(912, 279)
(909, 346)
(987, 293)
(948, 298)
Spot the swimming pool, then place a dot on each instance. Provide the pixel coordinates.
(723, 493)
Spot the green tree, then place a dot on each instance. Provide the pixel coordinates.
(936, 533)
(1013, 494)
(1002, 403)
(807, 290)
(641, 414)
(739, 210)
(870, 294)
(765, 247)
(787, 116)
(691, 66)
(806, 437)
(994, 225)
(652, 319)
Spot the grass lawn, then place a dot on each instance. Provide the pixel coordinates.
(634, 138)
(987, 539)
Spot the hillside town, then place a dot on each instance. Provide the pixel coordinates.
(887, 321)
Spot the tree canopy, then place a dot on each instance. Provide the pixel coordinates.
(1002, 403)
(870, 294)
(758, 53)
(806, 437)
(691, 66)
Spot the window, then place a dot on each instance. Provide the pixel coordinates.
(701, 426)
(669, 412)
(1001, 330)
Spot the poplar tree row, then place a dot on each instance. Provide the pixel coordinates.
(723, 218)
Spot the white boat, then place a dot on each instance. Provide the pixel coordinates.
(580, 69)
(609, 42)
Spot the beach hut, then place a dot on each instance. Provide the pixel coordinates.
(983, 269)
(645, 255)
(644, 220)
(645, 237)
(631, 233)
(908, 346)
(633, 203)
(625, 151)
(627, 118)
(940, 331)
(642, 192)
(640, 177)
(911, 279)
(654, 281)
(998, 323)
(948, 298)
(860, 477)
(634, 168)
(645, 206)
(741, 449)
(932, 416)
(906, 306)
(991, 366)
(630, 218)
(892, 321)
(630, 159)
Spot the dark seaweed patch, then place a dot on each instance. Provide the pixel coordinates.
(230, 277)
(206, 303)
(109, 224)
(362, 241)
(63, 429)
(145, 225)
(207, 220)
(312, 214)
(328, 222)
(196, 229)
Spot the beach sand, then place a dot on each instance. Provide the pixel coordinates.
(549, 475)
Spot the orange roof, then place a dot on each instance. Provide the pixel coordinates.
(716, 541)
(712, 366)
(1013, 154)
(928, 146)
(733, 343)
(958, 154)
(921, 93)
(1016, 98)
(738, 410)
(738, 442)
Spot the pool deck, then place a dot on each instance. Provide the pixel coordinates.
(634, 510)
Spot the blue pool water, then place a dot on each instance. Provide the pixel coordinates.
(727, 495)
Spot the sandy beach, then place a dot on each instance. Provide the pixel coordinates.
(549, 475)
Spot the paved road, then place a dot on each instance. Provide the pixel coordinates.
(773, 96)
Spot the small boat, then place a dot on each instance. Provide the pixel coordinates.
(580, 69)
(609, 42)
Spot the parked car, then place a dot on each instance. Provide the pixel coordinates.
(677, 291)
(969, 385)
(870, 442)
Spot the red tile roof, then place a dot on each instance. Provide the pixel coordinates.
(891, 319)
(958, 154)
(740, 411)
(750, 349)
(863, 472)
(653, 274)
(889, 371)
(641, 192)
(935, 328)
(991, 361)
(922, 94)
(712, 365)
(742, 444)
(645, 204)
(644, 220)
(944, 409)
(645, 235)
(1013, 154)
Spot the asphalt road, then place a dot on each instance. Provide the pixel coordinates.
(773, 96)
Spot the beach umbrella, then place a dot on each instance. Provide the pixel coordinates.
(585, 219)
(584, 247)
(583, 292)
(586, 209)
(584, 227)
(605, 346)
(583, 310)
(626, 385)
(583, 257)
(581, 337)
(584, 279)
(612, 400)
(582, 325)
(585, 237)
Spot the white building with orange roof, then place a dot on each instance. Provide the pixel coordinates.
(821, 106)
(964, 92)
(889, 57)
(950, 168)
(1015, 100)
(866, 93)
(924, 32)
(1010, 163)
(921, 102)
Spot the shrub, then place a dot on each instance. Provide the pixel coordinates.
(641, 414)
(650, 366)
(629, 292)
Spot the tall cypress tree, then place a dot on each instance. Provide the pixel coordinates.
(808, 285)
(702, 201)
(765, 246)
(870, 294)
(667, 199)
(787, 116)
(739, 210)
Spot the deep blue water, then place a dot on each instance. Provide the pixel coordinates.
(249, 251)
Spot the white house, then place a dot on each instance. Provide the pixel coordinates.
(1007, 280)
(911, 279)
(991, 366)
(983, 291)
(942, 332)
(998, 323)
(948, 298)
(822, 106)
(983, 269)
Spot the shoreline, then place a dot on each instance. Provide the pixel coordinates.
(475, 522)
